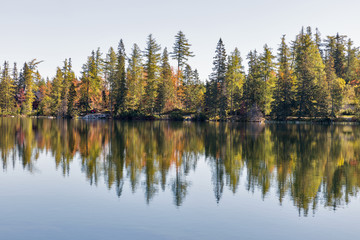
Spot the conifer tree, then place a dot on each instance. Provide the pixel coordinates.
(29, 86)
(121, 88)
(336, 86)
(135, 81)
(152, 58)
(91, 81)
(181, 51)
(351, 62)
(255, 86)
(235, 79)
(110, 76)
(164, 83)
(268, 76)
(283, 95)
(72, 100)
(218, 79)
(56, 92)
(311, 94)
(7, 90)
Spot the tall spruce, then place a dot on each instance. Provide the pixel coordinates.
(281, 107)
(152, 58)
(121, 88)
(135, 83)
(164, 89)
(7, 90)
(255, 86)
(235, 78)
(311, 94)
(268, 76)
(110, 76)
(218, 80)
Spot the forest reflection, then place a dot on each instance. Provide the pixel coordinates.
(311, 164)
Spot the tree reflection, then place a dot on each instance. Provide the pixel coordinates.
(311, 164)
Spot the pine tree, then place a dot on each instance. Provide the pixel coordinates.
(235, 79)
(339, 56)
(68, 77)
(120, 82)
(164, 84)
(7, 90)
(255, 86)
(336, 86)
(351, 63)
(91, 82)
(218, 80)
(268, 76)
(29, 85)
(135, 81)
(283, 95)
(311, 94)
(181, 51)
(56, 92)
(72, 100)
(152, 58)
(110, 76)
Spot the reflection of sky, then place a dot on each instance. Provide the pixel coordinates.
(46, 205)
(55, 30)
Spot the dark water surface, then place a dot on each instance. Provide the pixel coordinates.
(169, 180)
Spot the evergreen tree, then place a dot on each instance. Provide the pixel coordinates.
(351, 63)
(110, 75)
(181, 51)
(68, 77)
(336, 86)
(339, 56)
(29, 86)
(165, 82)
(235, 79)
(91, 82)
(7, 90)
(135, 78)
(120, 83)
(283, 95)
(311, 94)
(56, 92)
(152, 58)
(72, 100)
(255, 86)
(218, 80)
(268, 76)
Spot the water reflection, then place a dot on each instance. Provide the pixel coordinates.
(311, 164)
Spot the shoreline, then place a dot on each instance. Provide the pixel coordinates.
(323, 121)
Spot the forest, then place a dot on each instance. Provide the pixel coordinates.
(309, 77)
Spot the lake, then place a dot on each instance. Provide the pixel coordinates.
(74, 179)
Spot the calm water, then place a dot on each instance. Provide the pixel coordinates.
(167, 180)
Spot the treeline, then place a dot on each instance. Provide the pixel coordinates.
(310, 77)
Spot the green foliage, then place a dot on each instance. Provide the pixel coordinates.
(181, 50)
(311, 90)
(281, 107)
(7, 91)
(312, 78)
(152, 58)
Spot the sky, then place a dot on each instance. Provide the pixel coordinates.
(52, 30)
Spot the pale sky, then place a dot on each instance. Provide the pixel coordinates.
(52, 30)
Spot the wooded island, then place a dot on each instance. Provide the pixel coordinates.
(310, 78)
